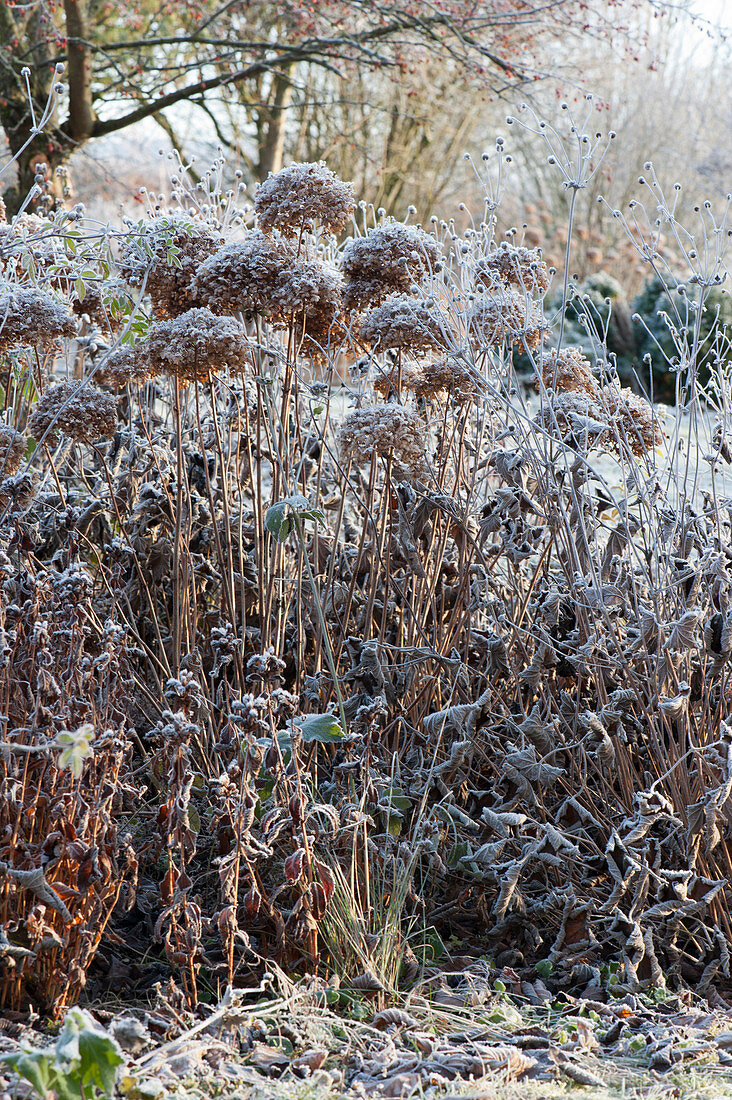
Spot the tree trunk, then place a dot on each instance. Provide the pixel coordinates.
(272, 143)
(55, 144)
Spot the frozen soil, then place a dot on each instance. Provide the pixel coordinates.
(459, 1034)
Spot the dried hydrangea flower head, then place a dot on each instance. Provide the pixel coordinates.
(12, 450)
(238, 277)
(447, 378)
(522, 267)
(569, 370)
(633, 419)
(577, 418)
(506, 315)
(310, 298)
(301, 196)
(195, 345)
(163, 255)
(30, 317)
(123, 366)
(395, 378)
(614, 417)
(78, 410)
(264, 276)
(385, 430)
(414, 324)
(391, 258)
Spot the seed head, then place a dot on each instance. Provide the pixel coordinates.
(385, 430)
(18, 490)
(123, 366)
(12, 450)
(405, 322)
(506, 315)
(195, 345)
(633, 418)
(448, 378)
(302, 195)
(77, 409)
(168, 250)
(29, 316)
(521, 267)
(263, 276)
(569, 370)
(393, 257)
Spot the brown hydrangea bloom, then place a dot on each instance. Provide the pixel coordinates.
(507, 315)
(391, 258)
(195, 345)
(405, 322)
(29, 316)
(569, 370)
(168, 250)
(308, 294)
(77, 409)
(302, 195)
(578, 416)
(633, 418)
(12, 450)
(386, 430)
(123, 366)
(450, 379)
(240, 277)
(259, 275)
(396, 377)
(522, 267)
(614, 417)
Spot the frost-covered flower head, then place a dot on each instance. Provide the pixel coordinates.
(633, 418)
(302, 196)
(402, 321)
(29, 238)
(508, 315)
(611, 418)
(77, 409)
(195, 345)
(263, 276)
(122, 366)
(18, 490)
(239, 277)
(29, 316)
(392, 257)
(385, 430)
(447, 378)
(570, 370)
(164, 255)
(12, 450)
(522, 267)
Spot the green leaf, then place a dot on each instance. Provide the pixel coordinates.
(323, 728)
(33, 1065)
(544, 968)
(276, 521)
(394, 797)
